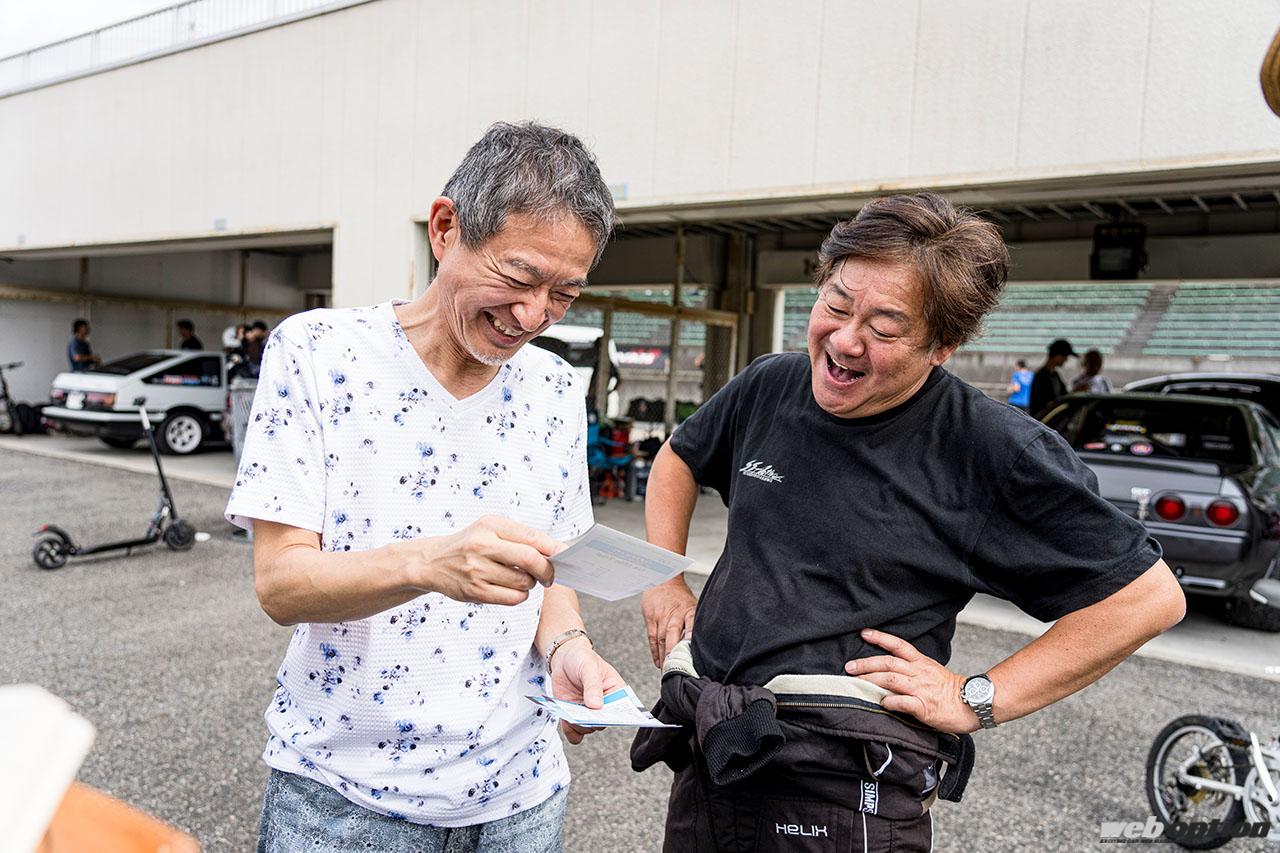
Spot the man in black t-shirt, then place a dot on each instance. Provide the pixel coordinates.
(871, 494)
(1047, 384)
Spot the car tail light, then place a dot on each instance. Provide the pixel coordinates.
(58, 395)
(1222, 513)
(1170, 508)
(97, 400)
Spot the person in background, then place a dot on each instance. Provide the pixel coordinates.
(1020, 386)
(1091, 379)
(187, 331)
(248, 358)
(1047, 385)
(80, 355)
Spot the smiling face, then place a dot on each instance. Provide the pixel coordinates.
(869, 344)
(498, 296)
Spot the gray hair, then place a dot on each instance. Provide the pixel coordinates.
(533, 169)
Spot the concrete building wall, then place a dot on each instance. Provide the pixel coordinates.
(354, 119)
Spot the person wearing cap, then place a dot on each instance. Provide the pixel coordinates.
(1047, 385)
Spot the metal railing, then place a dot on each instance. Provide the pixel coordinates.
(167, 30)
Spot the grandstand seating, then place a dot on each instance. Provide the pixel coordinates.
(1240, 319)
(1092, 315)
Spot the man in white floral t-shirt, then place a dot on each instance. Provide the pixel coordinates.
(409, 469)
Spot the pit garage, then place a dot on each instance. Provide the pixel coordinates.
(134, 294)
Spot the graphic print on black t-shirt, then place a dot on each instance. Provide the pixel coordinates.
(891, 522)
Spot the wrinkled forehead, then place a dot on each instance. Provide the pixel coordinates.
(555, 249)
(878, 285)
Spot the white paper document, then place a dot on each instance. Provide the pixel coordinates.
(611, 565)
(621, 708)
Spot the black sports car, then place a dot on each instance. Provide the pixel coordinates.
(1260, 388)
(1203, 474)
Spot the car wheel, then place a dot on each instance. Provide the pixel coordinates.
(1247, 613)
(118, 443)
(181, 433)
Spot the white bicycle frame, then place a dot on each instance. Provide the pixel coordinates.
(1258, 787)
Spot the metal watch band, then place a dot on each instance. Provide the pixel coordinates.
(985, 715)
(563, 638)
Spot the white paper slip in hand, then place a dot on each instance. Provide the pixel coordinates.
(611, 565)
(621, 708)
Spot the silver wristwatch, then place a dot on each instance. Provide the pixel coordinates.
(979, 693)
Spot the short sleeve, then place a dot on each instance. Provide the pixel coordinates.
(282, 468)
(1051, 544)
(705, 441)
(578, 515)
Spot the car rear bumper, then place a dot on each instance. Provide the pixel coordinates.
(100, 424)
(1215, 576)
(1200, 545)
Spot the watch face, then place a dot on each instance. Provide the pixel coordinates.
(979, 691)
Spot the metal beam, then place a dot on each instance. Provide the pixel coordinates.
(1164, 205)
(1240, 201)
(1128, 208)
(1060, 212)
(21, 293)
(1095, 210)
(1029, 213)
(1200, 203)
(673, 350)
(655, 309)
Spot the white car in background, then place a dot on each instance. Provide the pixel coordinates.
(185, 392)
(578, 346)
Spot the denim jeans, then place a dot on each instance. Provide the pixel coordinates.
(301, 815)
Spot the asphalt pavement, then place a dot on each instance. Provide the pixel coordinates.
(169, 656)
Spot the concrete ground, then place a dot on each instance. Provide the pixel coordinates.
(171, 659)
(1201, 640)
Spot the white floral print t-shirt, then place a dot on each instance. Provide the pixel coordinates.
(417, 712)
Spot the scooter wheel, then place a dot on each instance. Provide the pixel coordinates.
(50, 552)
(179, 535)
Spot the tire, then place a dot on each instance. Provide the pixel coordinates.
(179, 535)
(50, 552)
(182, 433)
(118, 443)
(1244, 612)
(1175, 803)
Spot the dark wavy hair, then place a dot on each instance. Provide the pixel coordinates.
(960, 257)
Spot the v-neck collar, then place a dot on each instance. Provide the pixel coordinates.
(434, 385)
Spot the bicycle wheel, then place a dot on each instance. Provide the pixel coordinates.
(1190, 747)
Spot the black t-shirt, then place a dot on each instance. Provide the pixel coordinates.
(891, 522)
(191, 343)
(1046, 386)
